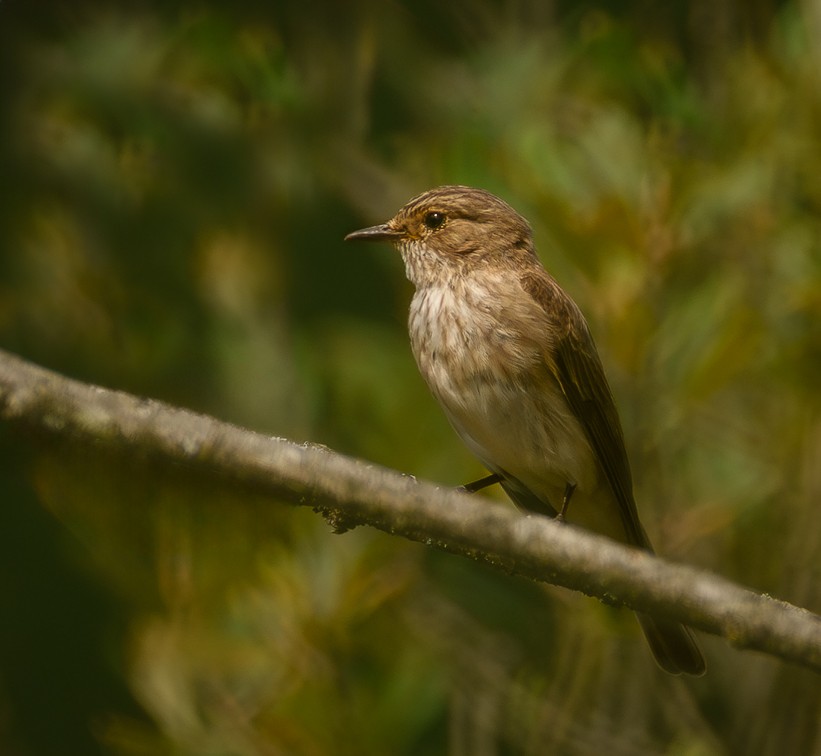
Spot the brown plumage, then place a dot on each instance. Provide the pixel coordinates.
(509, 357)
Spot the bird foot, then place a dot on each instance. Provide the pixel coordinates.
(478, 485)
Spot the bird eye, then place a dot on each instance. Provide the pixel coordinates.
(433, 220)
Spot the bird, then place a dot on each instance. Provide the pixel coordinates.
(510, 358)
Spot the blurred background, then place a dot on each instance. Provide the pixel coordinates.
(177, 178)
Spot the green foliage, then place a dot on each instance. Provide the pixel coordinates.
(178, 180)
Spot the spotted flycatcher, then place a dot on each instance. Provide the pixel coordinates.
(510, 358)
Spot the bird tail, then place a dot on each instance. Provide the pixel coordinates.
(673, 646)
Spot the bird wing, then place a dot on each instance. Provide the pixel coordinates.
(575, 363)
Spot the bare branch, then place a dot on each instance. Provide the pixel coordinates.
(349, 491)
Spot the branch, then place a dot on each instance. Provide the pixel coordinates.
(349, 491)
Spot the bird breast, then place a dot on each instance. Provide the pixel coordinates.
(481, 346)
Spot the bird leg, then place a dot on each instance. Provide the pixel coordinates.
(478, 485)
(568, 493)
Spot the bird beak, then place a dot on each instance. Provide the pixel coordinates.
(382, 232)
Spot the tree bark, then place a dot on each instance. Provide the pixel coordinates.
(351, 492)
